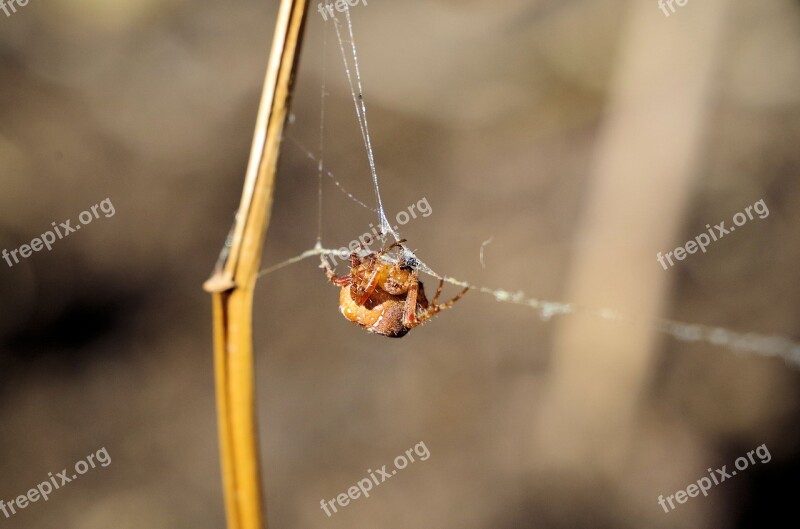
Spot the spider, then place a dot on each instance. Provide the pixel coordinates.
(383, 297)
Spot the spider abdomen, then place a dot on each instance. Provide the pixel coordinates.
(382, 313)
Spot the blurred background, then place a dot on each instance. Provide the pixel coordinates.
(581, 137)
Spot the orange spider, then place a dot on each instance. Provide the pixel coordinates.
(384, 297)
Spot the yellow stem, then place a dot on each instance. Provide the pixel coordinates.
(233, 283)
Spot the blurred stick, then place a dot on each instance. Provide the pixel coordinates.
(646, 168)
(234, 279)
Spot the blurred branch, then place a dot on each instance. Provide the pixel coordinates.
(642, 180)
(234, 280)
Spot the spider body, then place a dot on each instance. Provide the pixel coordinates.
(383, 297)
(382, 313)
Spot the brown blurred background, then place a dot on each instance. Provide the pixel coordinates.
(581, 137)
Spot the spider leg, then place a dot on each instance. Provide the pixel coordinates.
(366, 291)
(438, 292)
(410, 307)
(332, 277)
(435, 309)
(360, 289)
(363, 275)
(362, 292)
(398, 244)
(453, 301)
(355, 262)
(362, 246)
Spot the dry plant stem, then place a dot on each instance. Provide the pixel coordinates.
(233, 283)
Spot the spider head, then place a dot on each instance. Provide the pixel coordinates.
(409, 263)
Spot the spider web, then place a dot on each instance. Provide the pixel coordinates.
(736, 341)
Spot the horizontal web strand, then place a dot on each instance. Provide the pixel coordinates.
(738, 342)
